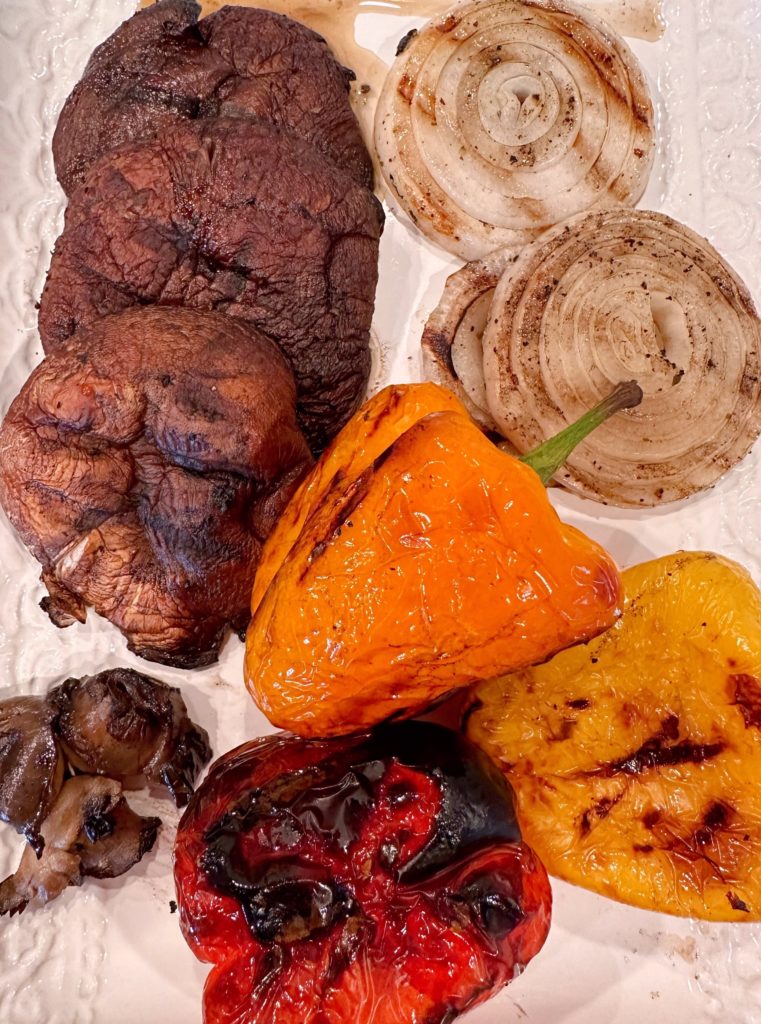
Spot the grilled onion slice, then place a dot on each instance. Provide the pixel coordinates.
(502, 118)
(617, 295)
(452, 342)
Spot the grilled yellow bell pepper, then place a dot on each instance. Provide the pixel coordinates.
(636, 758)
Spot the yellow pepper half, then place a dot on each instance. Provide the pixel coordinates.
(636, 758)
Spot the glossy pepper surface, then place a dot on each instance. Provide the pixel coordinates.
(377, 880)
(636, 758)
(417, 558)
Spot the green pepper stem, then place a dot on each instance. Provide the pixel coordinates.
(547, 459)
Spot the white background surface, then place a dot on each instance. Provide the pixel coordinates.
(112, 953)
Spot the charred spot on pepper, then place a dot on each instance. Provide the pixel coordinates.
(340, 515)
(660, 751)
(345, 952)
(598, 812)
(491, 905)
(282, 902)
(564, 732)
(745, 691)
(476, 800)
(717, 816)
(737, 904)
(700, 844)
(651, 818)
(285, 908)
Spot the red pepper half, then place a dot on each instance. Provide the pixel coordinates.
(379, 879)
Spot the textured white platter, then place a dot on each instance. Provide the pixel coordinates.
(111, 953)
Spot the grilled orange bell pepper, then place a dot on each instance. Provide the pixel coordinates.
(417, 558)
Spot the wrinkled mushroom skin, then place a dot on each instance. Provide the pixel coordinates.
(143, 464)
(122, 723)
(163, 66)
(379, 878)
(232, 215)
(31, 765)
(127, 838)
(88, 809)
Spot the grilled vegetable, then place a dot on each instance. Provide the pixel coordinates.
(380, 879)
(500, 118)
(416, 559)
(31, 765)
(452, 342)
(627, 292)
(636, 759)
(90, 830)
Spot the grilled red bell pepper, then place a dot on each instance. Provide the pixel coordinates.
(377, 880)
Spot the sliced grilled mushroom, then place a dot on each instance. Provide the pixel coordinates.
(128, 837)
(89, 811)
(31, 765)
(122, 723)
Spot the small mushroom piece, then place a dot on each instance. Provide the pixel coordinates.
(122, 723)
(89, 831)
(31, 765)
(127, 837)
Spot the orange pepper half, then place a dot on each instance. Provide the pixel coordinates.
(417, 558)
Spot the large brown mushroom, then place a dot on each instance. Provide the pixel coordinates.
(144, 464)
(163, 66)
(232, 215)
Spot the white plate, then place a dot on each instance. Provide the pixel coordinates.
(111, 953)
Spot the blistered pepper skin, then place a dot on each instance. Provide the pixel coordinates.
(429, 562)
(364, 439)
(379, 880)
(636, 758)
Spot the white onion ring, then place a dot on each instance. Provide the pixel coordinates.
(504, 117)
(618, 295)
(452, 340)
